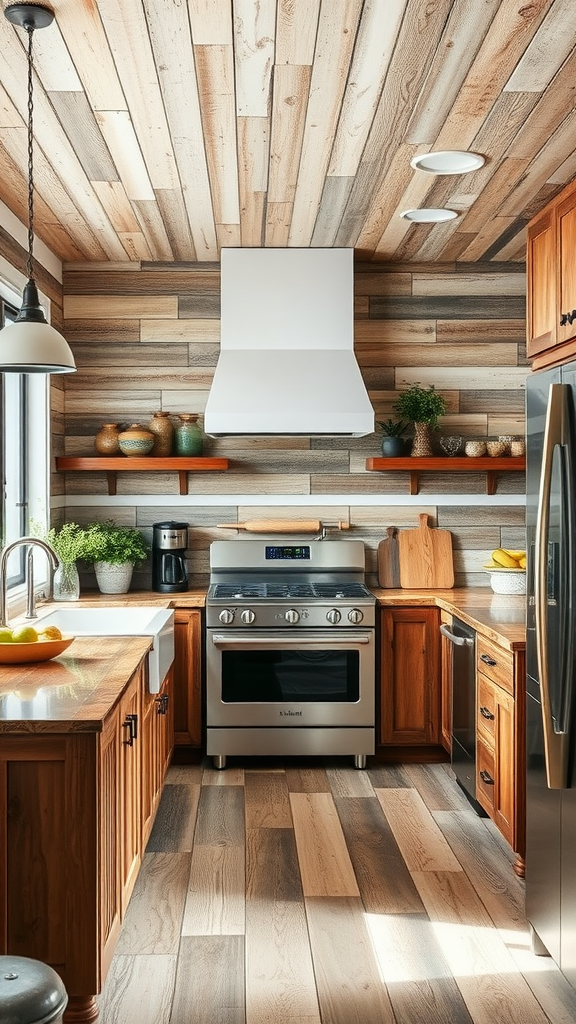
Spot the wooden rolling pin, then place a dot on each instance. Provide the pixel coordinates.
(283, 526)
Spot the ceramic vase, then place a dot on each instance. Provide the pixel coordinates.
(188, 436)
(137, 440)
(66, 582)
(163, 429)
(422, 444)
(106, 440)
(112, 577)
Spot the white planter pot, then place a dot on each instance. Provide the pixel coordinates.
(113, 578)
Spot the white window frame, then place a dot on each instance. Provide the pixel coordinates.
(35, 464)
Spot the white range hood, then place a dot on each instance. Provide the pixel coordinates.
(287, 363)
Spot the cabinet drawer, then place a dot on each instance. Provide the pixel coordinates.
(495, 663)
(485, 777)
(486, 709)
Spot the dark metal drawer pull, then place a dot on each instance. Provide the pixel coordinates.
(162, 704)
(486, 777)
(129, 724)
(486, 713)
(487, 659)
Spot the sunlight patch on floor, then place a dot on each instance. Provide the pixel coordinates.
(468, 950)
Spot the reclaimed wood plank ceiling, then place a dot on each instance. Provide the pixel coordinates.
(167, 129)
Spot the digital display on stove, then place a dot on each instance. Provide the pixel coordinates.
(287, 552)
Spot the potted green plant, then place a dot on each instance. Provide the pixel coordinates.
(113, 550)
(423, 406)
(393, 442)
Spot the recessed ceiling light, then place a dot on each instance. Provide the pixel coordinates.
(428, 216)
(449, 162)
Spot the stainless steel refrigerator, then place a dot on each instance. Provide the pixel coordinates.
(551, 665)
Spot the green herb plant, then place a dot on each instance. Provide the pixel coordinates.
(67, 540)
(421, 405)
(394, 428)
(108, 542)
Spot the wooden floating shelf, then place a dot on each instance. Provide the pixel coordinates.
(112, 464)
(456, 464)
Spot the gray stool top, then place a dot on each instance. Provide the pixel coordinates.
(30, 992)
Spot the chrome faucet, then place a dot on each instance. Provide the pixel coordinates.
(28, 542)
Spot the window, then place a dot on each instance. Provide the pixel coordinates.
(13, 456)
(23, 457)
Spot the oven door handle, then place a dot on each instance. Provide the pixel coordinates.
(272, 640)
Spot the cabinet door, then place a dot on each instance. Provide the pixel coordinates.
(149, 762)
(157, 744)
(566, 228)
(446, 685)
(130, 742)
(542, 298)
(187, 677)
(496, 755)
(410, 676)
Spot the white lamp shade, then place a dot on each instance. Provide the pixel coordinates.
(30, 347)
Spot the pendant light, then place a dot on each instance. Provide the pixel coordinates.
(30, 344)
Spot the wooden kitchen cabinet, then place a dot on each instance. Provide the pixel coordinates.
(551, 281)
(500, 759)
(72, 836)
(187, 682)
(410, 677)
(541, 284)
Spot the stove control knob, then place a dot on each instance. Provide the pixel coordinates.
(248, 616)
(292, 615)
(355, 615)
(226, 616)
(333, 616)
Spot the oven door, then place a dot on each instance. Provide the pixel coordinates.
(293, 678)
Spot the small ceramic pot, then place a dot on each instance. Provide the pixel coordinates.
(518, 447)
(393, 447)
(188, 438)
(475, 448)
(496, 448)
(136, 440)
(113, 578)
(106, 440)
(163, 429)
(507, 439)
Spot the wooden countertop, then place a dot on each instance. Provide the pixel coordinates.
(72, 693)
(500, 617)
(92, 598)
(76, 691)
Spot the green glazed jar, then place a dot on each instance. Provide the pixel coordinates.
(188, 438)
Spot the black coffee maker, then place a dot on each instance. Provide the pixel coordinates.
(169, 541)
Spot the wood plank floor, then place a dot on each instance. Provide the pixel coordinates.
(288, 892)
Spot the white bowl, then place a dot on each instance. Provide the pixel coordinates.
(507, 581)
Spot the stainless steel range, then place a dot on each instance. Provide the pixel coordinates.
(289, 650)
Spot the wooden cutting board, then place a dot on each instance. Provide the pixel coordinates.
(426, 557)
(388, 559)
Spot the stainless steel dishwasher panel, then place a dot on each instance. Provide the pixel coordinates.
(463, 639)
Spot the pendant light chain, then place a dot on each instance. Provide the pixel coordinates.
(29, 262)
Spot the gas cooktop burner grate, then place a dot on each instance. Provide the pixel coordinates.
(299, 590)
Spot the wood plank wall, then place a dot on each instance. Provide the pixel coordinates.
(146, 337)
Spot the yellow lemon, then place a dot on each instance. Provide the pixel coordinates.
(50, 633)
(25, 635)
(6, 636)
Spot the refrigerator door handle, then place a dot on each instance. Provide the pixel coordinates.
(556, 433)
